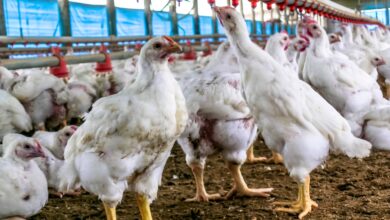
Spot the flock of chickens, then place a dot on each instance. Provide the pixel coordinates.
(304, 97)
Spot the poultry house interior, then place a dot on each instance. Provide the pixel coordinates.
(194, 109)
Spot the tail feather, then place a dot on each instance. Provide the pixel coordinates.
(350, 145)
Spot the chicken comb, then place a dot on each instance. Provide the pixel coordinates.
(308, 20)
(283, 32)
(73, 127)
(170, 40)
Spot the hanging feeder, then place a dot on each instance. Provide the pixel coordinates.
(190, 54)
(268, 3)
(211, 2)
(208, 51)
(282, 5)
(105, 66)
(254, 3)
(61, 70)
(235, 3)
(293, 6)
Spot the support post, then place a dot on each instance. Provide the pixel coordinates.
(387, 12)
(254, 31)
(148, 18)
(196, 18)
(214, 24)
(3, 30)
(63, 6)
(174, 20)
(111, 18)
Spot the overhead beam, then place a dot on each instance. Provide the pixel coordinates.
(63, 6)
(148, 18)
(3, 30)
(111, 18)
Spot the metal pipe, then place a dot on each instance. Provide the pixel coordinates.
(196, 18)
(91, 58)
(111, 39)
(174, 20)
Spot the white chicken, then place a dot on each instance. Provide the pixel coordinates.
(13, 117)
(44, 97)
(294, 120)
(55, 141)
(127, 138)
(277, 46)
(219, 122)
(376, 127)
(339, 80)
(23, 186)
(53, 145)
(297, 47)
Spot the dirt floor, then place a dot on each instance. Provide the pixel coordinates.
(344, 189)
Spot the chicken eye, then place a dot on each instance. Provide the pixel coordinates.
(284, 38)
(332, 36)
(315, 27)
(67, 134)
(157, 45)
(27, 147)
(376, 59)
(228, 16)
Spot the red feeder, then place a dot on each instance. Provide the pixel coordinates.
(138, 46)
(254, 3)
(293, 6)
(211, 2)
(190, 54)
(269, 4)
(235, 3)
(105, 66)
(60, 71)
(282, 5)
(209, 51)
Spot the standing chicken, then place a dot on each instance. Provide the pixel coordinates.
(126, 139)
(295, 121)
(23, 187)
(340, 81)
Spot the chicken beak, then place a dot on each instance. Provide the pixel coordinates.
(173, 47)
(381, 62)
(38, 152)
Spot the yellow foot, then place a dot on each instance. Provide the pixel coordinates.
(58, 194)
(204, 197)
(250, 157)
(255, 159)
(303, 208)
(276, 158)
(262, 192)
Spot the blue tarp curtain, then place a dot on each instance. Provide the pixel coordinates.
(130, 22)
(37, 18)
(186, 24)
(161, 23)
(41, 18)
(88, 20)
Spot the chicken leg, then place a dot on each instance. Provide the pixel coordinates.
(240, 186)
(144, 207)
(201, 194)
(303, 205)
(250, 157)
(276, 158)
(110, 211)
